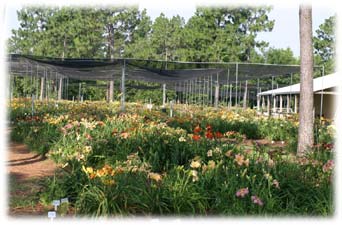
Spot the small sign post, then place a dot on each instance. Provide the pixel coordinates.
(51, 215)
(56, 203)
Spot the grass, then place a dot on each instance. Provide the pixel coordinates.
(24, 195)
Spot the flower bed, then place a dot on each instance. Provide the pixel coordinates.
(143, 162)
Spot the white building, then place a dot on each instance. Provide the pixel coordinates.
(286, 99)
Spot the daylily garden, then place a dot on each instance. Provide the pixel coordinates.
(201, 161)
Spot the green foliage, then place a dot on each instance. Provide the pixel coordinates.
(280, 56)
(212, 34)
(144, 163)
(324, 44)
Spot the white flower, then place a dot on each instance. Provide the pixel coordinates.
(210, 153)
(217, 150)
(182, 139)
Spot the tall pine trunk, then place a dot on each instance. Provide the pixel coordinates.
(306, 117)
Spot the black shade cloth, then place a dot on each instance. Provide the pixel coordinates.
(144, 70)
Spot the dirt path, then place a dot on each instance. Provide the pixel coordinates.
(25, 164)
(26, 172)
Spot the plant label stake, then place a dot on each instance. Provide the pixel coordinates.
(56, 203)
(64, 200)
(51, 215)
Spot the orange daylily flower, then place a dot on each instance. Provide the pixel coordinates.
(155, 176)
(100, 123)
(124, 135)
(196, 137)
(197, 129)
(239, 159)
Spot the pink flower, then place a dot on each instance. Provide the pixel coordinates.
(328, 165)
(88, 136)
(68, 126)
(63, 130)
(242, 192)
(257, 200)
(239, 159)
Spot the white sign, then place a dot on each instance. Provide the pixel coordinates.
(56, 202)
(52, 214)
(64, 200)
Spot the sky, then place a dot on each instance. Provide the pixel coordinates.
(285, 32)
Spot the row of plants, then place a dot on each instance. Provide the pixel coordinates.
(143, 162)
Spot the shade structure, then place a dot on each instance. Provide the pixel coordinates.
(192, 79)
(147, 70)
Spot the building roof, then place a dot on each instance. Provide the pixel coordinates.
(319, 84)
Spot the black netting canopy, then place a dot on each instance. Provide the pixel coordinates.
(192, 82)
(146, 70)
(179, 76)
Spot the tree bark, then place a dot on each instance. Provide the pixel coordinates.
(305, 132)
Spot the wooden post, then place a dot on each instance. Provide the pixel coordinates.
(236, 83)
(32, 104)
(171, 108)
(217, 88)
(164, 95)
(111, 90)
(79, 91)
(287, 103)
(274, 104)
(268, 105)
(296, 104)
(42, 82)
(245, 96)
(263, 103)
(258, 103)
(60, 88)
(280, 103)
(123, 107)
(230, 95)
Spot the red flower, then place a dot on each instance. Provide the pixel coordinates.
(197, 129)
(328, 146)
(196, 137)
(209, 128)
(209, 135)
(218, 134)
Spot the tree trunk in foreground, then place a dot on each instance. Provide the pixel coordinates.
(305, 132)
